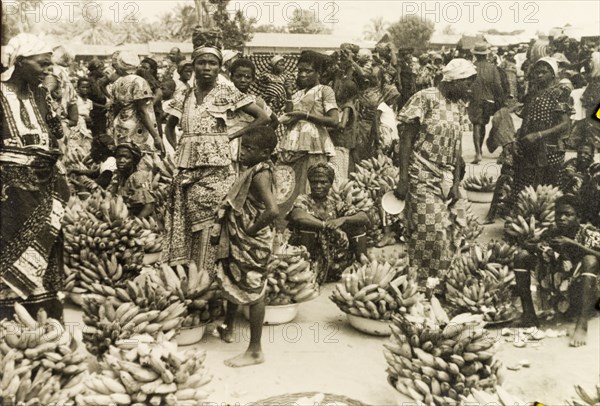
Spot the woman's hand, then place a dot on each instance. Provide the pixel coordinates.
(530, 139)
(561, 242)
(335, 224)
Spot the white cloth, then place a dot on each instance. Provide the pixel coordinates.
(23, 44)
(109, 165)
(577, 106)
(84, 106)
(457, 69)
(388, 124)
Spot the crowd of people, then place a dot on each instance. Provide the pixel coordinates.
(250, 160)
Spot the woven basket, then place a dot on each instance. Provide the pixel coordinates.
(290, 399)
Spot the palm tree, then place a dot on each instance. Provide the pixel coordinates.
(185, 20)
(376, 29)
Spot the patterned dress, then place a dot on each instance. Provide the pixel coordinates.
(543, 163)
(243, 259)
(135, 190)
(205, 173)
(436, 152)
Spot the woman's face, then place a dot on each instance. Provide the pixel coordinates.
(207, 68)
(279, 67)
(124, 159)
(319, 186)
(186, 73)
(307, 75)
(84, 89)
(34, 69)
(542, 74)
(585, 156)
(242, 78)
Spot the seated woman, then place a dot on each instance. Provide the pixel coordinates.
(330, 232)
(133, 184)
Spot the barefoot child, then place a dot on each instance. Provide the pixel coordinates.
(578, 249)
(245, 238)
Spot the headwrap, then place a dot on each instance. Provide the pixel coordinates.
(183, 64)
(457, 69)
(550, 62)
(25, 45)
(126, 60)
(229, 55)
(134, 149)
(207, 50)
(595, 64)
(321, 169)
(276, 59)
(566, 83)
(207, 38)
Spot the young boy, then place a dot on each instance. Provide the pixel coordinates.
(573, 242)
(245, 238)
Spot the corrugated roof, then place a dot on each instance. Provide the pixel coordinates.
(444, 39)
(164, 47)
(309, 41)
(468, 42)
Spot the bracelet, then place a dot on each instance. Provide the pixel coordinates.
(539, 135)
(307, 115)
(324, 224)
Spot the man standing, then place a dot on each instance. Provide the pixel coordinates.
(175, 56)
(406, 75)
(488, 96)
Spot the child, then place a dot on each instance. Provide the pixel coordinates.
(245, 239)
(578, 249)
(344, 136)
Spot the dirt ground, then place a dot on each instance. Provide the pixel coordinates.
(320, 352)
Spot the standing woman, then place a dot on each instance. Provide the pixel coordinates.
(309, 112)
(431, 127)
(540, 152)
(203, 159)
(34, 187)
(132, 101)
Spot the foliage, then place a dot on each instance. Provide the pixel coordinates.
(236, 32)
(15, 23)
(305, 22)
(376, 29)
(449, 30)
(412, 31)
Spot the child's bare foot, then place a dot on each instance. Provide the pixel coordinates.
(246, 359)
(579, 335)
(476, 160)
(226, 333)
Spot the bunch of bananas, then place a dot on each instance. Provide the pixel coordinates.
(290, 278)
(141, 307)
(39, 361)
(96, 229)
(475, 284)
(473, 228)
(350, 196)
(585, 399)
(142, 371)
(501, 253)
(152, 235)
(194, 288)
(439, 361)
(163, 171)
(375, 289)
(533, 214)
(481, 183)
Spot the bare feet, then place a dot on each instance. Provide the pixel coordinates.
(386, 240)
(246, 359)
(489, 220)
(579, 335)
(476, 160)
(226, 333)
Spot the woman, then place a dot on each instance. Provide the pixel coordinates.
(330, 232)
(98, 113)
(34, 188)
(540, 151)
(132, 184)
(203, 159)
(431, 127)
(133, 113)
(368, 123)
(274, 83)
(309, 112)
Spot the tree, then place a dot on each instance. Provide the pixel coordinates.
(305, 22)
(236, 32)
(269, 28)
(412, 31)
(16, 21)
(449, 30)
(376, 29)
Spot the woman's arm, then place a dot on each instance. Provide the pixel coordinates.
(172, 122)
(561, 128)
(301, 218)
(260, 119)
(359, 219)
(146, 109)
(407, 133)
(262, 188)
(331, 119)
(72, 114)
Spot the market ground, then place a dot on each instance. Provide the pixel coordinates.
(320, 352)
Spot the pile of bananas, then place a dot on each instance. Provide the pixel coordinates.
(142, 371)
(476, 284)
(39, 361)
(350, 196)
(100, 227)
(141, 307)
(439, 361)
(194, 288)
(502, 253)
(473, 228)
(481, 183)
(290, 278)
(533, 214)
(152, 235)
(375, 289)
(585, 399)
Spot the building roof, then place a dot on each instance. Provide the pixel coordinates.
(468, 42)
(306, 41)
(445, 39)
(164, 47)
(506, 40)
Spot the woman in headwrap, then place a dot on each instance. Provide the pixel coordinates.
(203, 158)
(34, 187)
(272, 84)
(430, 127)
(133, 184)
(334, 233)
(540, 151)
(133, 117)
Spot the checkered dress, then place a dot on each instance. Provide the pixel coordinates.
(436, 151)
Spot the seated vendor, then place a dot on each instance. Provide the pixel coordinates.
(578, 249)
(331, 233)
(577, 169)
(100, 163)
(133, 184)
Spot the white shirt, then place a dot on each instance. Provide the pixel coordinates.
(577, 106)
